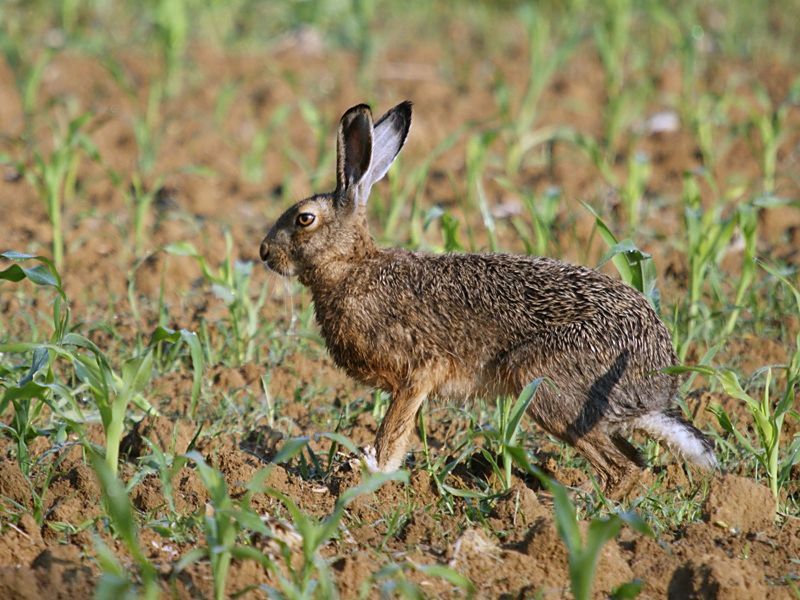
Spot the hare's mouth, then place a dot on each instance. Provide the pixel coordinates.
(286, 270)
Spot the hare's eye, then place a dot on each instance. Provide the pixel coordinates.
(305, 219)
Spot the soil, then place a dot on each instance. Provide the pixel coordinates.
(736, 548)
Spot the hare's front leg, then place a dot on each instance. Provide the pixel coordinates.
(393, 435)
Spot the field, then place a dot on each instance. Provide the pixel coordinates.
(170, 422)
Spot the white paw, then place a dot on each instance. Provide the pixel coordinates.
(371, 459)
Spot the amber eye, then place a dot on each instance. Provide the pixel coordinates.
(305, 219)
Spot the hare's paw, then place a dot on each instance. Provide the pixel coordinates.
(371, 459)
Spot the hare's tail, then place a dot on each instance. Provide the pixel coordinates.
(681, 436)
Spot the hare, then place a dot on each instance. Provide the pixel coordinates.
(455, 326)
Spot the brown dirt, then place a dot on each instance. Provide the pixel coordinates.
(737, 550)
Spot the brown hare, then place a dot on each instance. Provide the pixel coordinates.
(456, 326)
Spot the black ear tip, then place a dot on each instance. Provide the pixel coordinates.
(404, 108)
(358, 109)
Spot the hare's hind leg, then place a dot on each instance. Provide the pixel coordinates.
(612, 457)
(395, 430)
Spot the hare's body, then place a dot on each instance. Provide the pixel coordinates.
(456, 326)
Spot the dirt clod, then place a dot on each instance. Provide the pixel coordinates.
(739, 503)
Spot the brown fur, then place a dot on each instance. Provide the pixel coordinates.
(455, 326)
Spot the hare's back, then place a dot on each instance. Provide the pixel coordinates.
(504, 300)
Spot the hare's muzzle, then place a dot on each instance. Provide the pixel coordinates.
(263, 251)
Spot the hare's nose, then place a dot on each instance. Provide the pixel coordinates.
(263, 251)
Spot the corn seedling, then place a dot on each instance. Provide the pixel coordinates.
(747, 221)
(392, 581)
(226, 518)
(111, 393)
(416, 182)
(542, 212)
(583, 552)
(171, 21)
(449, 227)
(611, 36)
(504, 437)
(115, 581)
(708, 235)
(323, 155)
(55, 175)
(636, 268)
(231, 284)
(545, 56)
(27, 72)
(174, 339)
(252, 164)
(770, 122)
(768, 412)
(477, 151)
(141, 199)
(312, 578)
(30, 393)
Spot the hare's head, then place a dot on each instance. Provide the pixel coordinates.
(329, 228)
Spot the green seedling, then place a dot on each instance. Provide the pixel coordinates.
(504, 437)
(583, 552)
(477, 154)
(29, 395)
(636, 268)
(542, 211)
(324, 155)
(116, 580)
(28, 72)
(163, 335)
(633, 189)
(392, 581)
(770, 122)
(112, 393)
(55, 174)
(747, 221)
(624, 94)
(768, 412)
(171, 20)
(252, 163)
(44, 274)
(450, 226)
(706, 114)
(416, 182)
(547, 52)
(708, 235)
(226, 518)
(231, 284)
(225, 98)
(141, 199)
(146, 131)
(312, 577)
(597, 155)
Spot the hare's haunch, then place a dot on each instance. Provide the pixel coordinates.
(455, 326)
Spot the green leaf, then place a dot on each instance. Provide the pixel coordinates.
(291, 448)
(163, 334)
(566, 519)
(449, 575)
(520, 408)
(627, 591)
(340, 439)
(181, 249)
(118, 506)
(43, 274)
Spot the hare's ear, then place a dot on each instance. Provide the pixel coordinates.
(389, 136)
(353, 152)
